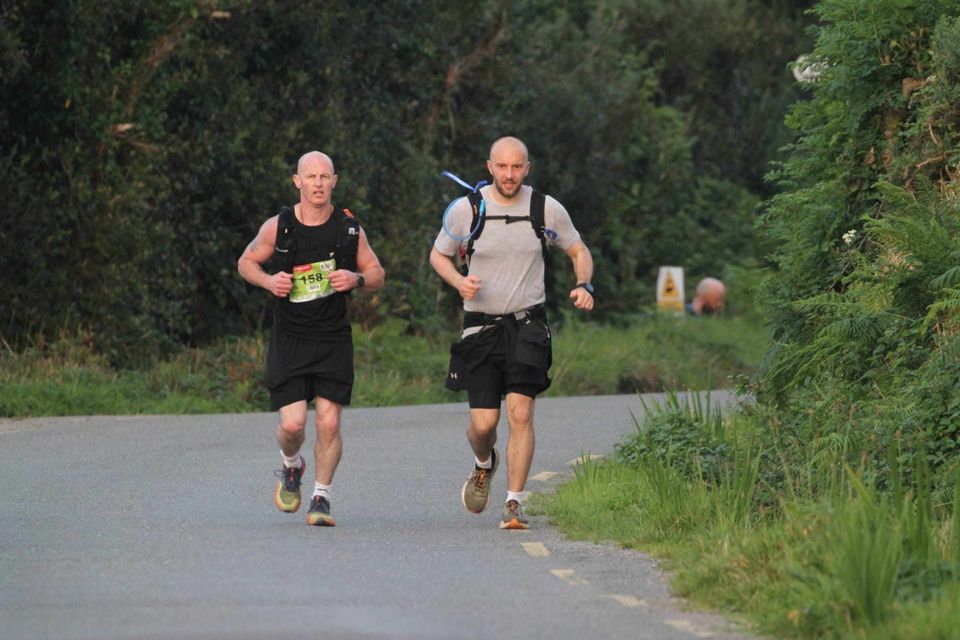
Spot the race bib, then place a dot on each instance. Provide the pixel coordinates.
(312, 281)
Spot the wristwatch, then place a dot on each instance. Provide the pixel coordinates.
(585, 285)
(360, 281)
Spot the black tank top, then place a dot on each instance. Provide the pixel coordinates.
(322, 318)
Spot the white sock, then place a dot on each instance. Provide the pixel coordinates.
(488, 464)
(515, 495)
(322, 490)
(291, 462)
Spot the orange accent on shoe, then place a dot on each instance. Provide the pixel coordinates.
(321, 520)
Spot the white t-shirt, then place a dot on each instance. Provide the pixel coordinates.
(506, 257)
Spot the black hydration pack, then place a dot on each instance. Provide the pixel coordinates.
(535, 218)
(345, 253)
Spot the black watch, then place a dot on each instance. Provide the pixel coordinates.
(585, 285)
(360, 281)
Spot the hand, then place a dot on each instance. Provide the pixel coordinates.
(343, 280)
(582, 299)
(280, 284)
(469, 287)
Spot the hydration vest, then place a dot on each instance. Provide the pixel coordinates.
(345, 253)
(535, 218)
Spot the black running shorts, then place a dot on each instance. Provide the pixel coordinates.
(301, 369)
(497, 374)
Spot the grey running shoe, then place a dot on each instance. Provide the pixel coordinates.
(319, 513)
(476, 490)
(287, 495)
(513, 517)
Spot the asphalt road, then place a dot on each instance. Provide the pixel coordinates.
(164, 527)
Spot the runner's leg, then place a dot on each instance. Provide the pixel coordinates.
(329, 446)
(290, 431)
(520, 443)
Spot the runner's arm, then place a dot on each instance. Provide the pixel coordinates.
(583, 269)
(466, 286)
(250, 264)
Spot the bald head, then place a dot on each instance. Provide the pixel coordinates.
(312, 157)
(509, 145)
(710, 295)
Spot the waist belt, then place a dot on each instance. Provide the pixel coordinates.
(479, 319)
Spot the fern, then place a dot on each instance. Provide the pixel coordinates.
(949, 278)
(948, 306)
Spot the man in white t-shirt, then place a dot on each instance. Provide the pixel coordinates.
(505, 350)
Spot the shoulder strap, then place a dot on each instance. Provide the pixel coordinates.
(284, 244)
(348, 240)
(474, 198)
(537, 206)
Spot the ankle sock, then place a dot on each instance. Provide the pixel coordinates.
(488, 464)
(292, 462)
(322, 490)
(515, 495)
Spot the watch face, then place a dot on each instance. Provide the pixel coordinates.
(587, 286)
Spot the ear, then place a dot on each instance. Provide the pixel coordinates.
(296, 180)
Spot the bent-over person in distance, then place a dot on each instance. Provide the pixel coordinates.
(505, 348)
(708, 298)
(319, 254)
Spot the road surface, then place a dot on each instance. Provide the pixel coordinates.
(164, 527)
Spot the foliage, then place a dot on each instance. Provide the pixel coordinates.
(722, 63)
(863, 290)
(686, 432)
(144, 144)
(855, 560)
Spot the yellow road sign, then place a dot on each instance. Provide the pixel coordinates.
(670, 289)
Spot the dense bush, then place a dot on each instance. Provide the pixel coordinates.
(863, 294)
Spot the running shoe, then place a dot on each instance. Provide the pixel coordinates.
(513, 517)
(287, 495)
(319, 513)
(476, 490)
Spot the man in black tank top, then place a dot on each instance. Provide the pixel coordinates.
(310, 355)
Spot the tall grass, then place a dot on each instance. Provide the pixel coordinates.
(810, 552)
(656, 494)
(865, 549)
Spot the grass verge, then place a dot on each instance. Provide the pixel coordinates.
(853, 561)
(66, 377)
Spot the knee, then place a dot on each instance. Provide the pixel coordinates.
(328, 424)
(292, 427)
(483, 428)
(520, 415)
(483, 422)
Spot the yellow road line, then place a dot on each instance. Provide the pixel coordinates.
(535, 549)
(684, 625)
(544, 476)
(628, 601)
(569, 576)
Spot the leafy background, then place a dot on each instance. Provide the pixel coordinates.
(144, 143)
